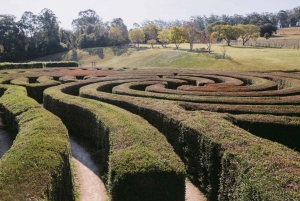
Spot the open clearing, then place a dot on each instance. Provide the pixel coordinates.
(237, 58)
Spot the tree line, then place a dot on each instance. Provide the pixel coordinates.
(36, 35)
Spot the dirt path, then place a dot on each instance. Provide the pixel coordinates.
(192, 193)
(91, 188)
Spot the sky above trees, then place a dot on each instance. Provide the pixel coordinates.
(135, 11)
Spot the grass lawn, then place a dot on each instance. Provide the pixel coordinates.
(237, 57)
(245, 58)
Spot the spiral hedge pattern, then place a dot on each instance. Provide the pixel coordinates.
(233, 134)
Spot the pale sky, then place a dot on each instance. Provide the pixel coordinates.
(132, 11)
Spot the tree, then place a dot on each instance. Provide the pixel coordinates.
(199, 20)
(207, 38)
(212, 18)
(136, 36)
(267, 28)
(151, 42)
(118, 23)
(163, 36)
(115, 34)
(223, 50)
(90, 16)
(67, 38)
(85, 22)
(12, 39)
(90, 30)
(136, 25)
(296, 13)
(151, 32)
(272, 18)
(159, 23)
(267, 36)
(210, 27)
(48, 24)
(248, 31)
(283, 18)
(176, 36)
(226, 32)
(236, 19)
(28, 23)
(256, 19)
(191, 32)
(47, 34)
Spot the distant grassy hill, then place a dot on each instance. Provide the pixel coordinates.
(289, 31)
(237, 58)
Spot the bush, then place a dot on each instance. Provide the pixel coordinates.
(4, 66)
(37, 166)
(35, 90)
(136, 160)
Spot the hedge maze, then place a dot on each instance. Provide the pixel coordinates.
(235, 135)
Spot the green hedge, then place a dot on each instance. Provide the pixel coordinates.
(35, 90)
(136, 160)
(61, 64)
(224, 160)
(37, 166)
(282, 129)
(4, 66)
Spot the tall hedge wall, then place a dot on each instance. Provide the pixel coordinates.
(136, 160)
(226, 161)
(37, 166)
(35, 90)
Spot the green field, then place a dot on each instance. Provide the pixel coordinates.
(242, 58)
(237, 57)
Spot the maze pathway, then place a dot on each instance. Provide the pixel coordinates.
(230, 133)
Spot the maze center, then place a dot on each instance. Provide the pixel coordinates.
(234, 135)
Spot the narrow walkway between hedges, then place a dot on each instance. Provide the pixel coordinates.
(5, 142)
(90, 186)
(5, 139)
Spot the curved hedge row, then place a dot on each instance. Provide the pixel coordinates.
(136, 160)
(214, 102)
(37, 166)
(35, 90)
(226, 161)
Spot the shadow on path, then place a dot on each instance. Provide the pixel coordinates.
(5, 142)
(90, 186)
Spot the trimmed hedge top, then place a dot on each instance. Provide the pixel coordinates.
(246, 167)
(37, 166)
(136, 148)
(38, 65)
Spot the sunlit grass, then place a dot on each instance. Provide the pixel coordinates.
(288, 31)
(237, 57)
